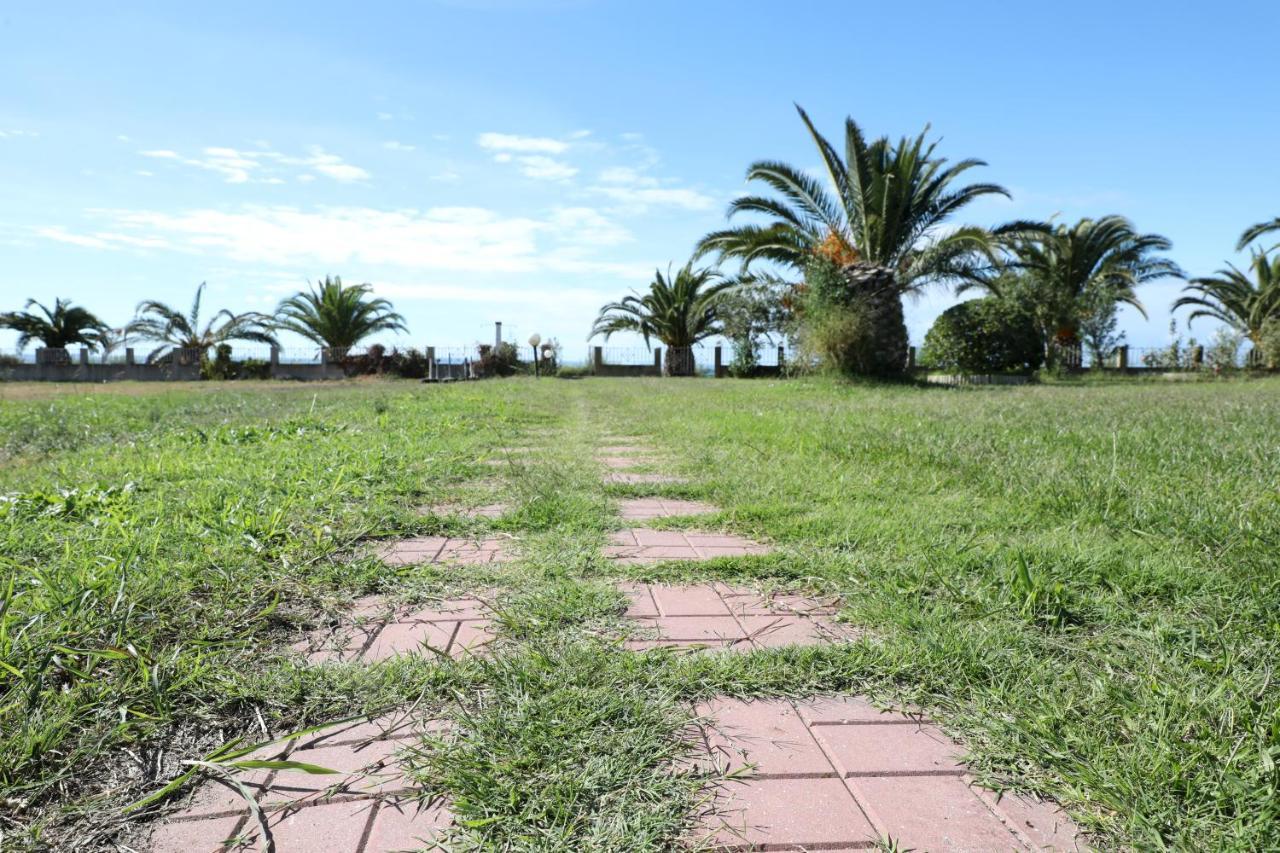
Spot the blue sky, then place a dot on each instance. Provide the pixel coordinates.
(527, 160)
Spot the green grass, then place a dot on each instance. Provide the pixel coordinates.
(1078, 581)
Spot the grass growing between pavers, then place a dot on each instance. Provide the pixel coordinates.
(1078, 582)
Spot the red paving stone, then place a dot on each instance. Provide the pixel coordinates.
(710, 615)
(792, 789)
(368, 806)
(646, 509)
(441, 549)
(641, 545)
(454, 628)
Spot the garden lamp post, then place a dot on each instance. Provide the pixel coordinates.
(534, 340)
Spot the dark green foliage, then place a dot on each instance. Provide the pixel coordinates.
(1232, 297)
(378, 360)
(337, 316)
(879, 227)
(157, 321)
(988, 335)
(679, 310)
(55, 327)
(504, 360)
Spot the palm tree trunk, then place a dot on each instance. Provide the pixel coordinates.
(677, 361)
(875, 290)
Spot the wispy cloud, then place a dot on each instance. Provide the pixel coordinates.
(524, 144)
(14, 134)
(545, 168)
(633, 189)
(394, 145)
(263, 165)
(464, 239)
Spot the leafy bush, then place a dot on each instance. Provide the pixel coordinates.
(988, 335)
(253, 368)
(504, 360)
(221, 366)
(376, 360)
(1268, 345)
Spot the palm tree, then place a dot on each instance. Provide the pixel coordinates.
(1064, 271)
(336, 316)
(1230, 296)
(54, 327)
(880, 226)
(1254, 232)
(678, 310)
(174, 330)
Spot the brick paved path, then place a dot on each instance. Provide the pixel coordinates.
(818, 774)
(838, 774)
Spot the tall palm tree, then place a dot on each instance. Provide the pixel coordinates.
(174, 330)
(878, 222)
(337, 316)
(1064, 270)
(678, 310)
(1233, 298)
(1255, 231)
(55, 327)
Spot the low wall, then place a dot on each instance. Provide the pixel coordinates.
(100, 373)
(626, 370)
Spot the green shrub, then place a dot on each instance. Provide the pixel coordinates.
(253, 368)
(504, 360)
(220, 367)
(1268, 345)
(981, 336)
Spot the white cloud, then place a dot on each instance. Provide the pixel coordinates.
(626, 175)
(261, 165)
(333, 166)
(644, 197)
(545, 168)
(393, 145)
(385, 116)
(525, 144)
(14, 134)
(462, 239)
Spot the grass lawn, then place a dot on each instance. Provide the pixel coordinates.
(1079, 582)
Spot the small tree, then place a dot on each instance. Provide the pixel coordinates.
(679, 310)
(55, 327)
(338, 316)
(989, 335)
(1099, 324)
(751, 313)
(174, 330)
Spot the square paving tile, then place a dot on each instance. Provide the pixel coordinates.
(768, 736)
(788, 814)
(195, 836)
(877, 750)
(902, 785)
(641, 545)
(932, 813)
(646, 509)
(439, 549)
(453, 627)
(692, 629)
(407, 825)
